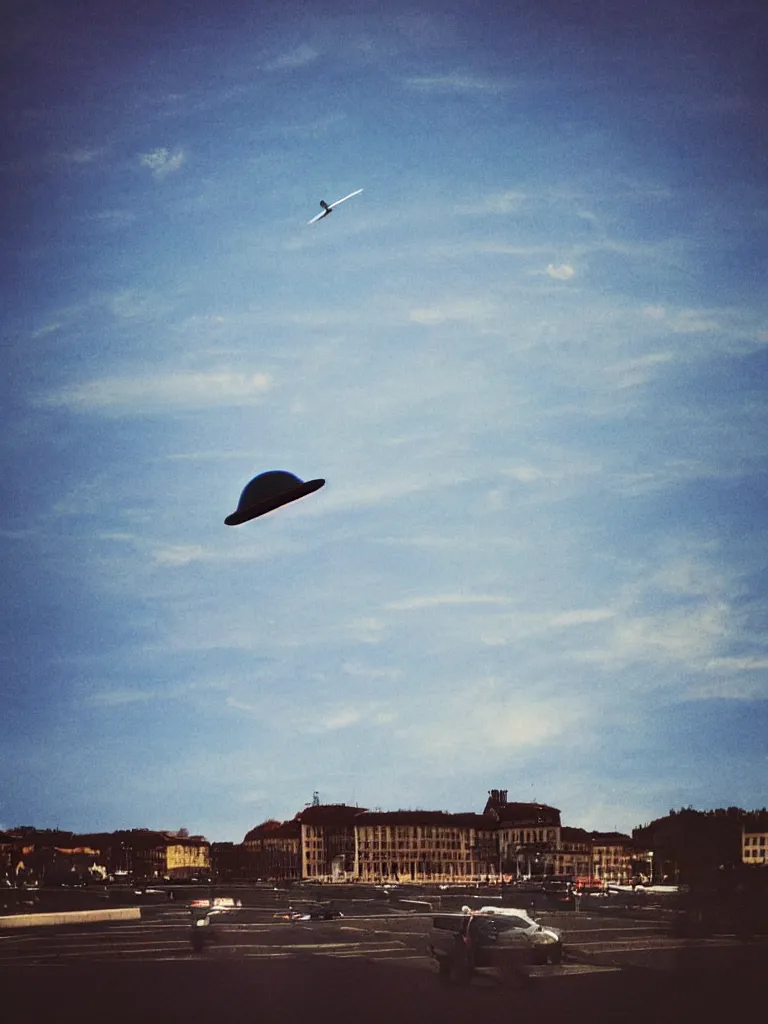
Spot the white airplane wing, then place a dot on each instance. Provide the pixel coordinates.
(318, 217)
(346, 198)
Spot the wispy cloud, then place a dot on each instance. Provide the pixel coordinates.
(456, 311)
(442, 600)
(562, 272)
(83, 154)
(485, 716)
(456, 82)
(162, 162)
(508, 201)
(117, 698)
(631, 373)
(138, 395)
(298, 57)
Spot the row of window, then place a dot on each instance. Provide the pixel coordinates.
(754, 840)
(380, 868)
(413, 844)
(520, 835)
(439, 855)
(759, 854)
(412, 832)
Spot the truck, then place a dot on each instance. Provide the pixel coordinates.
(464, 945)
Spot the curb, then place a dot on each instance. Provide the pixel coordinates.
(70, 917)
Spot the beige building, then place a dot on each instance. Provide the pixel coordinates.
(187, 858)
(612, 857)
(574, 856)
(754, 847)
(424, 846)
(528, 836)
(328, 841)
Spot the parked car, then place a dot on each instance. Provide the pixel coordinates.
(548, 942)
(465, 944)
(321, 914)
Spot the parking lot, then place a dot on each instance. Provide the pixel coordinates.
(371, 963)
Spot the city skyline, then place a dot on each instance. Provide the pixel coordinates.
(530, 361)
(191, 832)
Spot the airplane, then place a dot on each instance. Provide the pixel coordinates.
(328, 207)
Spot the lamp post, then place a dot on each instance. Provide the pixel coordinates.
(650, 859)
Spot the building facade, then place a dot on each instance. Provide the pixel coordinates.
(328, 841)
(424, 846)
(613, 858)
(528, 836)
(272, 851)
(754, 847)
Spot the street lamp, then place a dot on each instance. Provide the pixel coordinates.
(650, 859)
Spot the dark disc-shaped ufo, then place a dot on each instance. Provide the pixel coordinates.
(269, 491)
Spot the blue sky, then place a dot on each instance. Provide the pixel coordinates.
(530, 361)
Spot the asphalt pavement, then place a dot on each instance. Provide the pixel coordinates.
(368, 966)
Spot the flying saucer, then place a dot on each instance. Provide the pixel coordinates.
(327, 207)
(269, 491)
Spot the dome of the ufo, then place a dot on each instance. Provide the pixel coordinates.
(269, 491)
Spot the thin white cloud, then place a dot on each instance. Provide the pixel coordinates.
(83, 154)
(522, 626)
(442, 600)
(299, 57)
(367, 630)
(485, 717)
(452, 311)
(562, 272)
(632, 373)
(137, 395)
(382, 491)
(683, 637)
(524, 474)
(581, 617)
(455, 82)
(508, 201)
(162, 162)
(358, 671)
(117, 698)
(179, 554)
(744, 664)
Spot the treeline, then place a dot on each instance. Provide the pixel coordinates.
(700, 847)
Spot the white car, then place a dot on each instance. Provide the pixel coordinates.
(551, 939)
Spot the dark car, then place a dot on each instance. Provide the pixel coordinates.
(464, 945)
(322, 912)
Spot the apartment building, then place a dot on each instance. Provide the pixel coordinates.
(328, 841)
(613, 854)
(528, 836)
(754, 847)
(424, 846)
(272, 850)
(574, 856)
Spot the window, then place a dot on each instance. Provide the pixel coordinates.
(509, 923)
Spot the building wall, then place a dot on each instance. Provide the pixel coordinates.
(529, 849)
(612, 863)
(183, 860)
(754, 848)
(416, 852)
(327, 851)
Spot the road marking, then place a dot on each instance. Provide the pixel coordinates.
(363, 953)
(269, 956)
(567, 970)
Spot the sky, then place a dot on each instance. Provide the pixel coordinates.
(530, 360)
